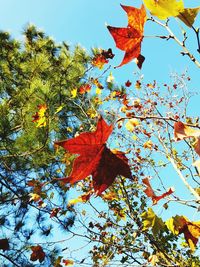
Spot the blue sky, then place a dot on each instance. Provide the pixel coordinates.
(83, 22)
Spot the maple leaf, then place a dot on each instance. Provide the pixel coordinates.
(182, 131)
(163, 9)
(129, 39)
(95, 158)
(181, 224)
(151, 220)
(37, 253)
(99, 61)
(150, 193)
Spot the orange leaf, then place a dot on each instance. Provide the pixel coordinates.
(129, 39)
(150, 193)
(182, 131)
(99, 61)
(102, 58)
(95, 158)
(81, 199)
(191, 230)
(85, 88)
(68, 262)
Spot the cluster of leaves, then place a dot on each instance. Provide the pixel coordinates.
(149, 154)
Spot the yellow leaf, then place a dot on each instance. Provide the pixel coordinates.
(134, 137)
(81, 199)
(41, 122)
(131, 124)
(188, 15)
(98, 91)
(42, 110)
(148, 144)
(164, 8)
(138, 84)
(151, 220)
(153, 259)
(74, 93)
(110, 196)
(92, 113)
(34, 197)
(170, 225)
(194, 229)
(39, 116)
(69, 129)
(59, 109)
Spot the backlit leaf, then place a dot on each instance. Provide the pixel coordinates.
(163, 9)
(95, 158)
(151, 220)
(182, 131)
(129, 39)
(150, 193)
(191, 230)
(188, 15)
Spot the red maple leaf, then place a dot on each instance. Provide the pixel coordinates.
(95, 158)
(129, 39)
(150, 193)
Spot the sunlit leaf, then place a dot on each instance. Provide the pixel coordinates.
(95, 158)
(182, 131)
(151, 220)
(68, 262)
(191, 230)
(131, 124)
(129, 39)
(164, 8)
(150, 192)
(188, 15)
(39, 117)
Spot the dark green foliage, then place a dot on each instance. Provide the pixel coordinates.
(34, 73)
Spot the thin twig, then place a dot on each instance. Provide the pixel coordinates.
(182, 44)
